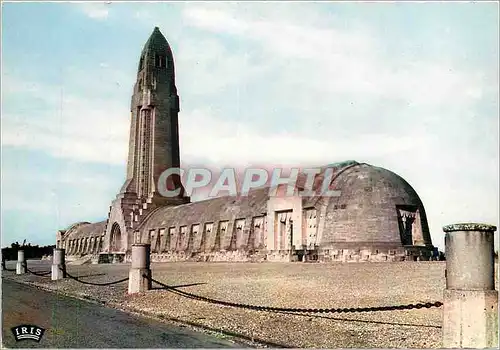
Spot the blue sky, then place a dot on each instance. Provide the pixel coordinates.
(409, 87)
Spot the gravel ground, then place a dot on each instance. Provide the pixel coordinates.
(301, 285)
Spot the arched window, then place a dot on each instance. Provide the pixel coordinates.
(116, 238)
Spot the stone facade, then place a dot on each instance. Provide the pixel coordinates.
(377, 217)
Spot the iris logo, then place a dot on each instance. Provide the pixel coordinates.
(27, 331)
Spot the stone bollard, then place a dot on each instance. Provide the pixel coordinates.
(21, 263)
(140, 266)
(58, 264)
(470, 303)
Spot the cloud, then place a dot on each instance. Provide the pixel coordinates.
(61, 192)
(328, 60)
(232, 142)
(144, 15)
(211, 67)
(69, 127)
(95, 10)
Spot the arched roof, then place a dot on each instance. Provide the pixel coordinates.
(85, 229)
(221, 208)
(226, 208)
(367, 208)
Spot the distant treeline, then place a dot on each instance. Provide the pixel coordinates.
(30, 251)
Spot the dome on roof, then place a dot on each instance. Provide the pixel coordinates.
(373, 208)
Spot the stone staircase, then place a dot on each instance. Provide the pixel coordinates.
(143, 208)
(137, 210)
(140, 210)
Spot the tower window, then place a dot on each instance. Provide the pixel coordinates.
(141, 63)
(160, 61)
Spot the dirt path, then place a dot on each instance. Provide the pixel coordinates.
(73, 323)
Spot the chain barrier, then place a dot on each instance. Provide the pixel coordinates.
(38, 273)
(45, 274)
(95, 284)
(255, 307)
(296, 310)
(25, 265)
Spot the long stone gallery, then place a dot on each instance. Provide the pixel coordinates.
(378, 216)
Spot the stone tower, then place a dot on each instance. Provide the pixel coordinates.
(153, 145)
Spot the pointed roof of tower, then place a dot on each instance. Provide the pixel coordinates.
(157, 42)
(156, 47)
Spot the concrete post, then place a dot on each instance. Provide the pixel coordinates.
(58, 264)
(21, 263)
(137, 283)
(470, 303)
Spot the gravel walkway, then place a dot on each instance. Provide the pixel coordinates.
(301, 285)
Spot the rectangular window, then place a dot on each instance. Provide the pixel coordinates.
(208, 227)
(239, 223)
(223, 226)
(162, 240)
(195, 228)
(154, 241)
(205, 239)
(171, 239)
(182, 238)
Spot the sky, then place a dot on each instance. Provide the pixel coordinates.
(410, 87)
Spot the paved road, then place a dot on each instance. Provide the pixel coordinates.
(73, 323)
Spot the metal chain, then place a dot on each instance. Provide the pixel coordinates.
(255, 307)
(44, 274)
(297, 310)
(37, 273)
(95, 284)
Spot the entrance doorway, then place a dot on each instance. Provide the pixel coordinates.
(116, 238)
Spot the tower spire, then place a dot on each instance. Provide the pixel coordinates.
(154, 130)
